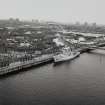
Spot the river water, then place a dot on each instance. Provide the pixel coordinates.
(77, 82)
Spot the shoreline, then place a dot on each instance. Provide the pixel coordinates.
(24, 65)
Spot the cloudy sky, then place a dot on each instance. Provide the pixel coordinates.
(56, 10)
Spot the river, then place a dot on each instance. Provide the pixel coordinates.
(77, 82)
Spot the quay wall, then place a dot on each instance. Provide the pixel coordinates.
(24, 65)
(35, 62)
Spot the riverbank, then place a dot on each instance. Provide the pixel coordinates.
(17, 67)
(21, 66)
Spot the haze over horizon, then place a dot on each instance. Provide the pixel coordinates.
(54, 10)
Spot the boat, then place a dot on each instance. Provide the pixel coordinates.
(66, 53)
(65, 56)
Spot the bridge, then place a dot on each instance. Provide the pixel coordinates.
(101, 46)
(96, 47)
(88, 48)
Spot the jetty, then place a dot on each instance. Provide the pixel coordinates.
(26, 64)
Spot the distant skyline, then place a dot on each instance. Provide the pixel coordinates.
(66, 11)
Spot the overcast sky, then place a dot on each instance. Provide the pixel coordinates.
(57, 10)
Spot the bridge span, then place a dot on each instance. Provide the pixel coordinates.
(96, 47)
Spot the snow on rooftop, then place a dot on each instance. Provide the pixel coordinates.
(81, 39)
(28, 32)
(10, 28)
(57, 35)
(39, 32)
(24, 44)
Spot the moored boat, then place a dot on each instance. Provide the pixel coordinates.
(66, 53)
(63, 57)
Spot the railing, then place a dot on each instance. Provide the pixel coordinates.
(23, 65)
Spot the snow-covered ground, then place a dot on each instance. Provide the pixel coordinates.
(14, 63)
(58, 42)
